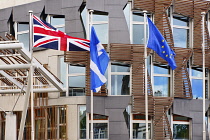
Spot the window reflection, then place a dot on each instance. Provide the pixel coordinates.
(197, 88)
(57, 20)
(138, 34)
(82, 118)
(100, 23)
(161, 86)
(161, 69)
(120, 84)
(76, 80)
(120, 79)
(180, 31)
(102, 32)
(23, 34)
(139, 130)
(180, 37)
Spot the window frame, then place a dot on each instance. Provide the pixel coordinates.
(74, 75)
(132, 121)
(110, 74)
(187, 122)
(89, 23)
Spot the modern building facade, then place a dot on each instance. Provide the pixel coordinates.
(175, 104)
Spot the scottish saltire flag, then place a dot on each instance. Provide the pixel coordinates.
(157, 43)
(99, 60)
(46, 36)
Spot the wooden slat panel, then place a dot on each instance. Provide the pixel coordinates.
(182, 84)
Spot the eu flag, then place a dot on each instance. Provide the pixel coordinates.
(158, 43)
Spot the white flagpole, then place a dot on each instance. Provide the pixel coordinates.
(31, 72)
(203, 51)
(145, 74)
(91, 97)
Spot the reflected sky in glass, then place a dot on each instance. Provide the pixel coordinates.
(84, 17)
(180, 22)
(62, 71)
(77, 81)
(62, 29)
(161, 86)
(120, 85)
(24, 38)
(23, 27)
(120, 68)
(138, 34)
(102, 32)
(181, 131)
(197, 88)
(196, 73)
(98, 17)
(180, 37)
(127, 15)
(76, 69)
(137, 16)
(161, 70)
(57, 21)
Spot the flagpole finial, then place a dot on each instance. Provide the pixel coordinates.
(30, 11)
(91, 10)
(203, 13)
(145, 11)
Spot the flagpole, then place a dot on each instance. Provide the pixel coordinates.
(145, 74)
(91, 98)
(204, 72)
(31, 72)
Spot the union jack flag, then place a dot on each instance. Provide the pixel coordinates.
(46, 36)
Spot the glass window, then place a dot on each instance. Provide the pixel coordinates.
(139, 127)
(161, 80)
(120, 79)
(100, 126)
(76, 80)
(137, 29)
(100, 23)
(197, 83)
(181, 127)
(82, 123)
(62, 73)
(23, 34)
(127, 13)
(139, 131)
(181, 31)
(57, 21)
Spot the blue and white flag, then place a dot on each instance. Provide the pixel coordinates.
(158, 43)
(99, 60)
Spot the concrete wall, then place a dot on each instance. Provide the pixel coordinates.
(192, 109)
(112, 107)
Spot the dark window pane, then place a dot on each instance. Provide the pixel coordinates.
(82, 118)
(120, 84)
(180, 131)
(100, 130)
(139, 130)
